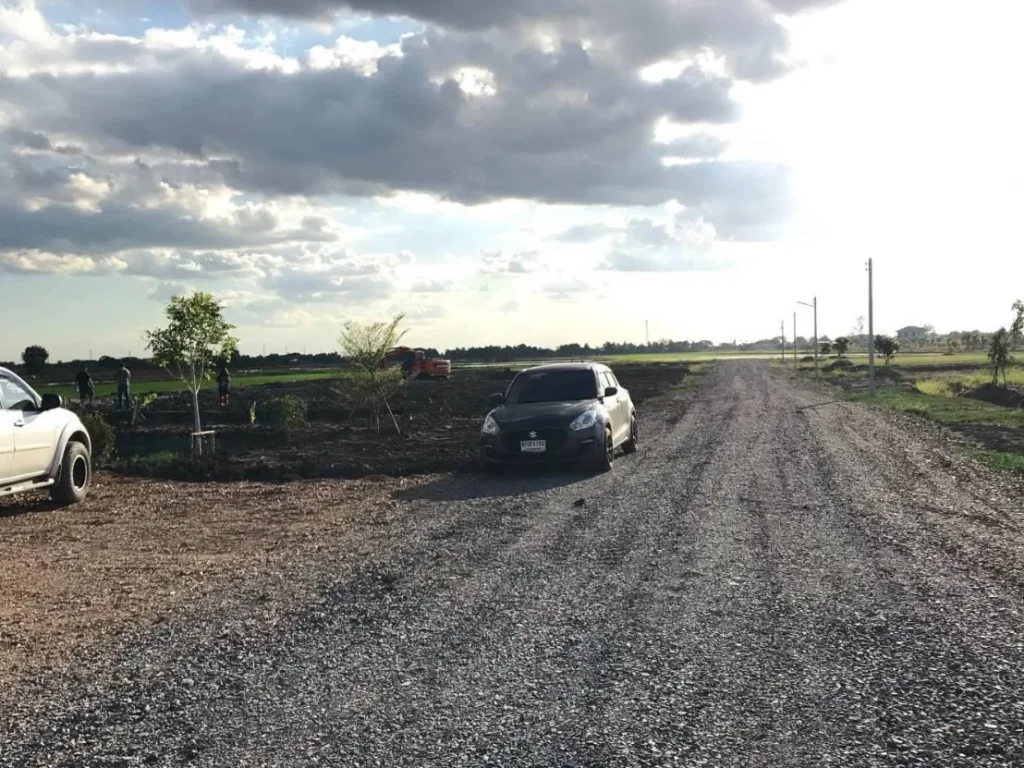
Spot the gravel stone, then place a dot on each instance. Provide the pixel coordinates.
(759, 586)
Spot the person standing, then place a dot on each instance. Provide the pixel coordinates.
(224, 385)
(86, 386)
(124, 388)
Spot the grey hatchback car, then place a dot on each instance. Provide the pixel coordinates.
(570, 412)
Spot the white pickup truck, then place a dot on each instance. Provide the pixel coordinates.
(42, 444)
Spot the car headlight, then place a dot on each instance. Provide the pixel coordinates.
(490, 426)
(585, 420)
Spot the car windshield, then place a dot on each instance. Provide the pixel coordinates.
(553, 387)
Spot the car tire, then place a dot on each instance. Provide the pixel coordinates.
(607, 458)
(75, 474)
(633, 444)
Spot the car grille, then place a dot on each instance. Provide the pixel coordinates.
(555, 438)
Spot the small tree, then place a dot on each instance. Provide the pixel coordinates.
(366, 346)
(887, 347)
(826, 348)
(1000, 350)
(34, 359)
(842, 345)
(196, 337)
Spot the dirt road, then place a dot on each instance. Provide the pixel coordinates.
(761, 586)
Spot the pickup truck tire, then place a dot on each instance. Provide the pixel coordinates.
(75, 474)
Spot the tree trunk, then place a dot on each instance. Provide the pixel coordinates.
(197, 440)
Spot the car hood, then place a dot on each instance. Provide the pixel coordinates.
(543, 415)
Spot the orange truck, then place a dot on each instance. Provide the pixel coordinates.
(416, 365)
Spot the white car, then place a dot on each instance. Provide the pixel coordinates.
(42, 444)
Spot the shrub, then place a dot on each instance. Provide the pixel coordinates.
(102, 435)
(287, 411)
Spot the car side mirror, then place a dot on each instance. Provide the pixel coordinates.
(497, 399)
(611, 392)
(52, 402)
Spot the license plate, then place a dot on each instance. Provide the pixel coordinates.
(533, 446)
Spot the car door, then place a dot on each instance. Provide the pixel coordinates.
(6, 444)
(620, 427)
(35, 432)
(625, 403)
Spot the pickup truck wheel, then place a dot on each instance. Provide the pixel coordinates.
(75, 474)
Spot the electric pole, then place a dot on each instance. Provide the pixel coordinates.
(871, 327)
(814, 306)
(647, 332)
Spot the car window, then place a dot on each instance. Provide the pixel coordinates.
(606, 381)
(613, 380)
(15, 397)
(553, 387)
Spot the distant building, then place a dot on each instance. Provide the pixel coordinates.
(914, 334)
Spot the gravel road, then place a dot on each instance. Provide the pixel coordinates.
(763, 585)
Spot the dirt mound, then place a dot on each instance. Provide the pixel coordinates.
(842, 364)
(993, 393)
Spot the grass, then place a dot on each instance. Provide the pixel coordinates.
(944, 410)
(952, 384)
(999, 460)
(104, 389)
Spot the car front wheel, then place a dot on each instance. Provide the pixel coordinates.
(72, 484)
(607, 457)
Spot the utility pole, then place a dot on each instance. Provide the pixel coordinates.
(647, 332)
(794, 340)
(871, 327)
(782, 329)
(814, 306)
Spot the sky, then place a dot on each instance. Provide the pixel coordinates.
(535, 171)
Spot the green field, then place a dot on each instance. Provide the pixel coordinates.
(105, 388)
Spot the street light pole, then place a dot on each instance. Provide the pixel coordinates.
(814, 306)
(794, 341)
(871, 326)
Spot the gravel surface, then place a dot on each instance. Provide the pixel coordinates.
(763, 585)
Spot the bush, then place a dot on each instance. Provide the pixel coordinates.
(287, 411)
(102, 435)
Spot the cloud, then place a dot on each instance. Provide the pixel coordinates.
(564, 288)
(565, 125)
(166, 289)
(747, 32)
(509, 306)
(519, 263)
(431, 286)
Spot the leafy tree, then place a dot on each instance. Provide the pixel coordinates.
(887, 347)
(34, 358)
(365, 347)
(826, 348)
(842, 345)
(196, 336)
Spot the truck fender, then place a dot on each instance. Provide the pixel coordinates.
(72, 431)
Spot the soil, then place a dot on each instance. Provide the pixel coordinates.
(1007, 397)
(440, 423)
(773, 580)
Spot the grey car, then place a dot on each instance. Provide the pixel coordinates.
(574, 412)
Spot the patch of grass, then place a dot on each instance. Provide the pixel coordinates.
(952, 384)
(104, 389)
(999, 460)
(944, 410)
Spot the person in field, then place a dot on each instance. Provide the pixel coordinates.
(86, 386)
(224, 385)
(124, 388)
